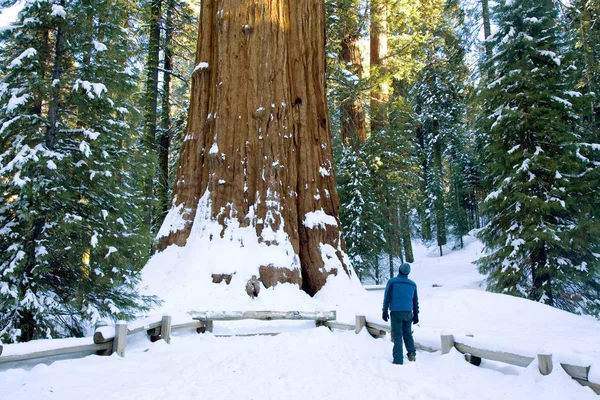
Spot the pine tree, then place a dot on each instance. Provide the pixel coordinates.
(439, 101)
(393, 172)
(179, 41)
(359, 214)
(534, 209)
(71, 243)
(583, 24)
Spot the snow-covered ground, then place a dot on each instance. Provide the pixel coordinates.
(314, 363)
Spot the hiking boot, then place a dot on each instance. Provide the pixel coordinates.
(412, 356)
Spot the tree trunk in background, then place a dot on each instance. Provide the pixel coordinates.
(391, 233)
(54, 90)
(424, 212)
(487, 29)
(378, 56)
(439, 203)
(150, 103)
(405, 232)
(151, 96)
(587, 32)
(258, 146)
(164, 140)
(352, 110)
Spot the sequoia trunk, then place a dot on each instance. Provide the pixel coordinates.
(257, 149)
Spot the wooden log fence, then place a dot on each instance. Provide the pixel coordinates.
(107, 340)
(90, 348)
(474, 355)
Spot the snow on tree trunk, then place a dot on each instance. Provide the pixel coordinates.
(256, 164)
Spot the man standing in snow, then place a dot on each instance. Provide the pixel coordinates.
(401, 299)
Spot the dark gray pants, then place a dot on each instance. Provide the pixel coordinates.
(402, 329)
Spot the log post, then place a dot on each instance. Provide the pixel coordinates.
(155, 333)
(545, 363)
(100, 339)
(205, 326)
(165, 329)
(120, 338)
(473, 360)
(361, 322)
(447, 343)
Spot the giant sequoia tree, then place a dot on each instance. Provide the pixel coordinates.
(257, 154)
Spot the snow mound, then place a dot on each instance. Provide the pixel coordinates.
(183, 276)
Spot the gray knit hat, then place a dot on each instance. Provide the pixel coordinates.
(405, 269)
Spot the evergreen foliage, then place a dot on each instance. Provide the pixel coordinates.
(423, 67)
(71, 242)
(439, 98)
(360, 214)
(393, 174)
(536, 249)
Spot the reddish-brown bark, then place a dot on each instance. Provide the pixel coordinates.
(258, 134)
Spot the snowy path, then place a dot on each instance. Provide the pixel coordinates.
(310, 364)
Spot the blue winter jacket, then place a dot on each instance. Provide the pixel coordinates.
(401, 295)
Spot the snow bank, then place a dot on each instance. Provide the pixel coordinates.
(182, 276)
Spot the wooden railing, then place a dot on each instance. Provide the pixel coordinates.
(112, 339)
(474, 355)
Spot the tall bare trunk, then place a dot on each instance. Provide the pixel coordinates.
(151, 99)
(405, 231)
(164, 140)
(150, 104)
(352, 110)
(487, 28)
(257, 145)
(439, 202)
(587, 22)
(55, 89)
(378, 59)
(424, 212)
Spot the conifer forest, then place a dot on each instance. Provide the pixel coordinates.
(434, 118)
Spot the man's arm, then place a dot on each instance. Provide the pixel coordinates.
(416, 303)
(386, 297)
